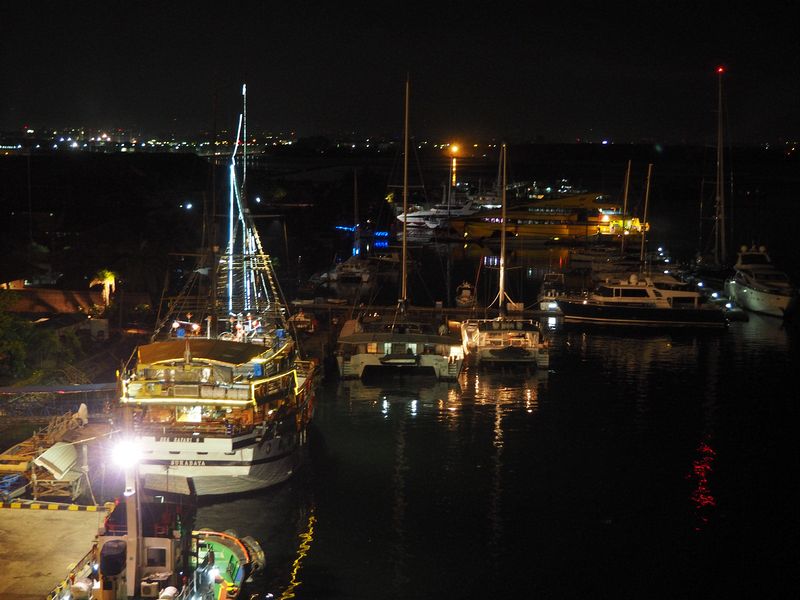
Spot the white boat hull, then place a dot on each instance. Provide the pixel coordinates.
(442, 367)
(758, 301)
(217, 465)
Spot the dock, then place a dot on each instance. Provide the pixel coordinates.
(43, 546)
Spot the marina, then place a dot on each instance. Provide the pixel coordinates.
(270, 341)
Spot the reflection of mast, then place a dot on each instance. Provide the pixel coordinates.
(495, 506)
(399, 508)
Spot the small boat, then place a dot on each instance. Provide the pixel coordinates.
(553, 287)
(465, 295)
(758, 286)
(147, 549)
(303, 322)
(228, 560)
(355, 270)
(641, 302)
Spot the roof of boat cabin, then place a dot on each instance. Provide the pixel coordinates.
(221, 351)
(507, 325)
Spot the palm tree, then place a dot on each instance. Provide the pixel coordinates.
(108, 280)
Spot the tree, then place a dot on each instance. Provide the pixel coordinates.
(108, 280)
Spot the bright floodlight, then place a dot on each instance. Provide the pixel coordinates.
(125, 454)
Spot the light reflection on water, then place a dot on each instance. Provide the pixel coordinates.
(639, 456)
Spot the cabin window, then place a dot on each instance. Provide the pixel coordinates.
(634, 293)
(156, 557)
(605, 292)
(189, 414)
(372, 348)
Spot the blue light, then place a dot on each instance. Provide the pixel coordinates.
(381, 244)
(345, 228)
(381, 234)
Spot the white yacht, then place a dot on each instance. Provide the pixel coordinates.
(758, 286)
(438, 215)
(641, 302)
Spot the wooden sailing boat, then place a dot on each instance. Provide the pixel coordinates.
(504, 340)
(397, 343)
(226, 379)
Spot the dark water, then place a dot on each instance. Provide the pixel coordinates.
(641, 465)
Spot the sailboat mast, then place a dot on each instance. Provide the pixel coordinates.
(644, 218)
(356, 227)
(244, 144)
(625, 205)
(720, 255)
(403, 290)
(502, 294)
(243, 204)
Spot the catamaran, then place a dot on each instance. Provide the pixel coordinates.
(220, 405)
(396, 342)
(506, 339)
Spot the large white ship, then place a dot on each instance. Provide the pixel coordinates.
(218, 402)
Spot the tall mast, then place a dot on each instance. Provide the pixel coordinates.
(502, 294)
(403, 290)
(244, 144)
(720, 255)
(356, 228)
(644, 218)
(625, 206)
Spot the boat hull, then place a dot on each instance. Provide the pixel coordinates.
(205, 468)
(360, 365)
(576, 311)
(510, 356)
(759, 301)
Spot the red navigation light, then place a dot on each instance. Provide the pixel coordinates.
(720, 70)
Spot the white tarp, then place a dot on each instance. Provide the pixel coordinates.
(58, 459)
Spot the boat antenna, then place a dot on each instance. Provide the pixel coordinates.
(720, 255)
(502, 293)
(644, 218)
(403, 288)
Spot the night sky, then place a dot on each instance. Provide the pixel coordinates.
(552, 71)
